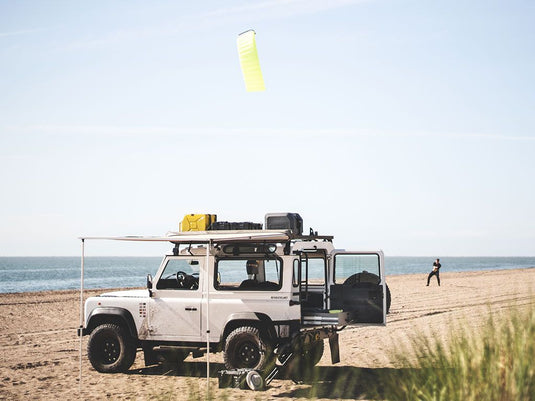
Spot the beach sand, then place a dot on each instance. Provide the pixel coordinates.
(39, 349)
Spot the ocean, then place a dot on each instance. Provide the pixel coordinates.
(25, 274)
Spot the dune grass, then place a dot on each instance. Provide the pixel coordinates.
(495, 362)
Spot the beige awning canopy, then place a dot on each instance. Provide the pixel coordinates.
(200, 237)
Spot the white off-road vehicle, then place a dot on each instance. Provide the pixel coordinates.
(264, 297)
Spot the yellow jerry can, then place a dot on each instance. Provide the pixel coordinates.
(197, 222)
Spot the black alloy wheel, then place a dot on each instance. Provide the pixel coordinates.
(111, 349)
(245, 348)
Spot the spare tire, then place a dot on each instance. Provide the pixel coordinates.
(367, 277)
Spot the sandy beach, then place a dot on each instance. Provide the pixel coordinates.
(39, 357)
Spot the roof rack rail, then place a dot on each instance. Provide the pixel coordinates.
(314, 237)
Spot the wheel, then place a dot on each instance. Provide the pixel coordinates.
(301, 366)
(245, 348)
(111, 349)
(366, 277)
(363, 277)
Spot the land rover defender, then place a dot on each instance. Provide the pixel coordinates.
(263, 297)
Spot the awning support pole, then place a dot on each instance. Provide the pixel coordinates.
(81, 311)
(207, 280)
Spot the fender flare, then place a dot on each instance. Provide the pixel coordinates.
(261, 320)
(107, 313)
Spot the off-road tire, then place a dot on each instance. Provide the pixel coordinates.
(245, 348)
(111, 349)
(366, 277)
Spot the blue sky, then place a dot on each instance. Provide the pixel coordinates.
(406, 126)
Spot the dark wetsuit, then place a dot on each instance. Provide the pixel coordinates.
(435, 272)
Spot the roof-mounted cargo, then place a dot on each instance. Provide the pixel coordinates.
(228, 225)
(197, 222)
(285, 221)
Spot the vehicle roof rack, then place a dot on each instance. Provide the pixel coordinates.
(314, 237)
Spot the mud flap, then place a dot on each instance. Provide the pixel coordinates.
(149, 356)
(335, 348)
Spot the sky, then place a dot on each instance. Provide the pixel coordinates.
(400, 125)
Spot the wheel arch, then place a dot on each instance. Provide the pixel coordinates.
(106, 314)
(259, 320)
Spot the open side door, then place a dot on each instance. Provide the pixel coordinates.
(358, 286)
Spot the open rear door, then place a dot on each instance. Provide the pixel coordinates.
(358, 286)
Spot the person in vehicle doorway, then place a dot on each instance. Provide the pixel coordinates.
(435, 272)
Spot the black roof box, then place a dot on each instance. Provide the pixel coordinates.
(284, 221)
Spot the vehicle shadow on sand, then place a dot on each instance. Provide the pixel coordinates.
(347, 382)
(330, 382)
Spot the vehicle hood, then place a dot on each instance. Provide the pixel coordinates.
(128, 294)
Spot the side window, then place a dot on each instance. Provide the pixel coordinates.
(295, 276)
(180, 274)
(316, 270)
(248, 274)
(356, 268)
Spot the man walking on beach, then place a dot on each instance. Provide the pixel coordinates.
(435, 272)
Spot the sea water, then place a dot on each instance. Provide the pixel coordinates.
(24, 274)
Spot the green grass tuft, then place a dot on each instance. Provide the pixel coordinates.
(496, 362)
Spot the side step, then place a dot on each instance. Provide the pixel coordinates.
(327, 318)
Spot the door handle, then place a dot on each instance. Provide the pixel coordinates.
(191, 309)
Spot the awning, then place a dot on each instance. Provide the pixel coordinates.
(199, 237)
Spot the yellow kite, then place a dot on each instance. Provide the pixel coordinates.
(250, 66)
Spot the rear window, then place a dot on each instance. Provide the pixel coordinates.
(349, 268)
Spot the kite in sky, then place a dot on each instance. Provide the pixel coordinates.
(250, 66)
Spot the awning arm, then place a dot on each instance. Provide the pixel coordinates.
(81, 309)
